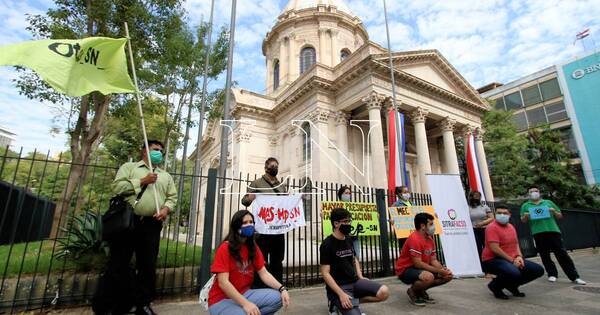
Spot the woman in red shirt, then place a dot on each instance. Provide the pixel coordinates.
(502, 257)
(236, 261)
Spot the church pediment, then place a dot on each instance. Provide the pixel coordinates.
(432, 67)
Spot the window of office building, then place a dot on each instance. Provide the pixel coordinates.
(550, 89)
(500, 103)
(531, 95)
(520, 121)
(536, 117)
(513, 101)
(568, 139)
(556, 112)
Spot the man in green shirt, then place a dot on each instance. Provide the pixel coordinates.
(541, 214)
(144, 239)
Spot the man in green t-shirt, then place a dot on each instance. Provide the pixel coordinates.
(541, 214)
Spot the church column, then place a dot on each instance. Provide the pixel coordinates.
(319, 129)
(334, 54)
(323, 46)
(418, 117)
(341, 126)
(292, 69)
(296, 150)
(273, 143)
(269, 76)
(283, 63)
(450, 157)
(483, 166)
(242, 137)
(379, 175)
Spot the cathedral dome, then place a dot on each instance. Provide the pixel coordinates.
(305, 4)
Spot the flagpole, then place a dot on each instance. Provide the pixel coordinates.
(394, 101)
(139, 102)
(224, 127)
(198, 162)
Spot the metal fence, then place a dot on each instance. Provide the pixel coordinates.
(38, 273)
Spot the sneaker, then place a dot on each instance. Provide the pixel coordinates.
(414, 299)
(552, 279)
(579, 281)
(516, 292)
(427, 298)
(497, 293)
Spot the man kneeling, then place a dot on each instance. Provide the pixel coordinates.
(418, 264)
(340, 268)
(502, 257)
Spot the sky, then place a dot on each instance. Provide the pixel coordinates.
(486, 40)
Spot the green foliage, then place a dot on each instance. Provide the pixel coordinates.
(83, 242)
(553, 173)
(506, 151)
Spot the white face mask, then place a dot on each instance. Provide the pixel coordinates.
(534, 195)
(502, 218)
(406, 196)
(431, 230)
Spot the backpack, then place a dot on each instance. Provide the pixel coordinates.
(203, 298)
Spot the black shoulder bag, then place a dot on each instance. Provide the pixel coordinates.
(119, 217)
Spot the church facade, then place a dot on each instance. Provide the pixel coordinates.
(328, 92)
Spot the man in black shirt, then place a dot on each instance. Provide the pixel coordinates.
(344, 281)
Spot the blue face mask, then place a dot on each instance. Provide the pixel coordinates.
(502, 218)
(247, 231)
(346, 198)
(156, 157)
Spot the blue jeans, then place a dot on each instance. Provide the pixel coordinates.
(268, 302)
(510, 277)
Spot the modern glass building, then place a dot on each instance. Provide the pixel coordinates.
(565, 96)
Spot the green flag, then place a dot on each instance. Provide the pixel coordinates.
(74, 67)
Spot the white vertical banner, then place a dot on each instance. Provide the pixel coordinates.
(458, 241)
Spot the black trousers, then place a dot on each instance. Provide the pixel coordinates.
(273, 249)
(479, 241)
(144, 241)
(551, 242)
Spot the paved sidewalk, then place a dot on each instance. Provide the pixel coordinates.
(461, 297)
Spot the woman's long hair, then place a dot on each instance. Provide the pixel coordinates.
(236, 240)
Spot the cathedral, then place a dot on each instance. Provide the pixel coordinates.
(328, 93)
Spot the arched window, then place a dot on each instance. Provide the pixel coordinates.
(344, 54)
(306, 152)
(276, 75)
(308, 57)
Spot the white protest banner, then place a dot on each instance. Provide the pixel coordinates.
(458, 241)
(277, 214)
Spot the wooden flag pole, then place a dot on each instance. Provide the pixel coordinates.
(139, 102)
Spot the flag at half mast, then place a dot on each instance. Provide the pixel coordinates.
(74, 67)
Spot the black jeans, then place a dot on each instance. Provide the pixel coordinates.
(273, 249)
(479, 241)
(509, 276)
(144, 241)
(547, 242)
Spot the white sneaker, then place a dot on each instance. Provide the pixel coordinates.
(579, 281)
(552, 279)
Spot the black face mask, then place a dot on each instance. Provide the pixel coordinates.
(346, 229)
(272, 171)
(475, 202)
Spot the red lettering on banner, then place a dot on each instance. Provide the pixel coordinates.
(296, 212)
(266, 214)
(283, 214)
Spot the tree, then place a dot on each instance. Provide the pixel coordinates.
(553, 173)
(80, 19)
(506, 151)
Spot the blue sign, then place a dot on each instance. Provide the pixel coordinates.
(582, 78)
(539, 213)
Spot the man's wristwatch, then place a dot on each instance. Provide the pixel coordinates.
(282, 288)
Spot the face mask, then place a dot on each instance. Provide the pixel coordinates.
(431, 230)
(346, 229)
(346, 198)
(247, 231)
(156, 157)
(475, 202)
(502, 218)
(534, 195)
(272, 171)
(406, 196)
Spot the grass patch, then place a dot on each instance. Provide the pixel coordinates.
(37, 258)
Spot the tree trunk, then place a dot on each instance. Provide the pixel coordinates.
(84, 140)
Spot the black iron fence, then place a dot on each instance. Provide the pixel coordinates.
(40, 270)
